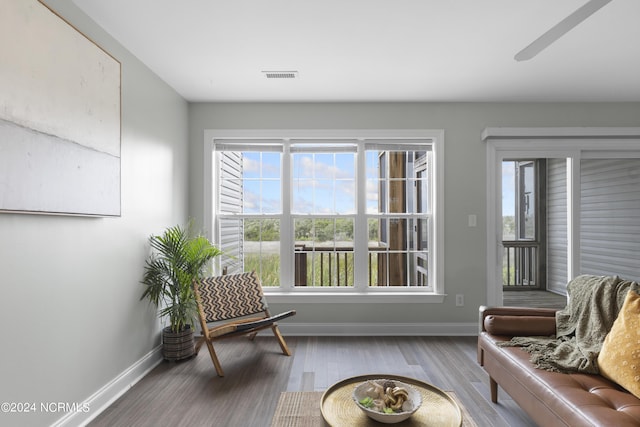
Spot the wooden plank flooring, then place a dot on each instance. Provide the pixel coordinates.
(190, 394)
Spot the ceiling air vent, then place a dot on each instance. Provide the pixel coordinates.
(280, 74)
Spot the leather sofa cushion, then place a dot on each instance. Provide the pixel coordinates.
(520, 325)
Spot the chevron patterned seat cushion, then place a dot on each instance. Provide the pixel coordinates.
(231, 296)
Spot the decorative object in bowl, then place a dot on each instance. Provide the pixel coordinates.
(388, 401)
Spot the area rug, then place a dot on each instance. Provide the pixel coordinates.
(302, 409)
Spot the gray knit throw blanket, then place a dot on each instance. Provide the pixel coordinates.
(593, 305)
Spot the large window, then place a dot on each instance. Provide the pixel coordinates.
(327, 214)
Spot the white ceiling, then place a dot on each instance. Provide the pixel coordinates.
(378, 50)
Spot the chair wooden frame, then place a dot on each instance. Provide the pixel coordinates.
(236, 306)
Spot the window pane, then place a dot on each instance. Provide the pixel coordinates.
(423, 233)
(345, 165)
(251, 196)
(250, 165)
(302, 166)
(302, 197)
(527, 200)
(422, 196)
(270, 202)
(324, 251)
(271, 165)
(345, 197)
(508, 200)
(250, 182)
(398, 181)
(323, 183)
(384, 232)
(372, 164)
(374, 244)
(323, 196)
(372, 195)
(323, 166)
(376, 168)
(261, 250)
(398, 252)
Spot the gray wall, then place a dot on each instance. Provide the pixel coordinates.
(465, 183)
(70, 311)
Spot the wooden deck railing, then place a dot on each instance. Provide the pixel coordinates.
(328, 266)
(520, 263)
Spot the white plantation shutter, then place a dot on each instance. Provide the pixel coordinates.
(230, 239)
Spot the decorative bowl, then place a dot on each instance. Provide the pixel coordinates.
(375, 396)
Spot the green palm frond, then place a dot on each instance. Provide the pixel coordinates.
(179, 257)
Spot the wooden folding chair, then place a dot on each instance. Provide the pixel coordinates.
(236, 306)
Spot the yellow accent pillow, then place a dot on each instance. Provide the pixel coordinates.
(619, 359)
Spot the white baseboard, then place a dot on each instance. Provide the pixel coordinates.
(378, 329)
(111, 391)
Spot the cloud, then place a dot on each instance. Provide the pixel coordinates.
(372, 190)
(251, 201)
(250, 165)
(321, 170)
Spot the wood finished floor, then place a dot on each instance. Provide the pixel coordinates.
(189, 393)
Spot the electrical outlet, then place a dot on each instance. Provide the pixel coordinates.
(459, 300)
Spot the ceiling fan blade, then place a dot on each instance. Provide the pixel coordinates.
(560, 29)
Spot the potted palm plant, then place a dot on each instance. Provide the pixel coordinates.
(179, 257)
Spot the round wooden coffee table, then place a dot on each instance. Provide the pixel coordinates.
(438, 408)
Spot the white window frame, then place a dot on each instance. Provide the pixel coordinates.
(360, 293)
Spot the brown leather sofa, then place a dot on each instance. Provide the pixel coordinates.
(549, 398)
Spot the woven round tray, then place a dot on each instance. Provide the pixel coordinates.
(438, 408)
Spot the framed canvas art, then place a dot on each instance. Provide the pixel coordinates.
(59, 116)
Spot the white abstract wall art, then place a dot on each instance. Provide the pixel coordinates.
(59, 116)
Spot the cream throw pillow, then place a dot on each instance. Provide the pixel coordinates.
(619, 359)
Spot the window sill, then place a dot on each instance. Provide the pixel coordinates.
(349, 296)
